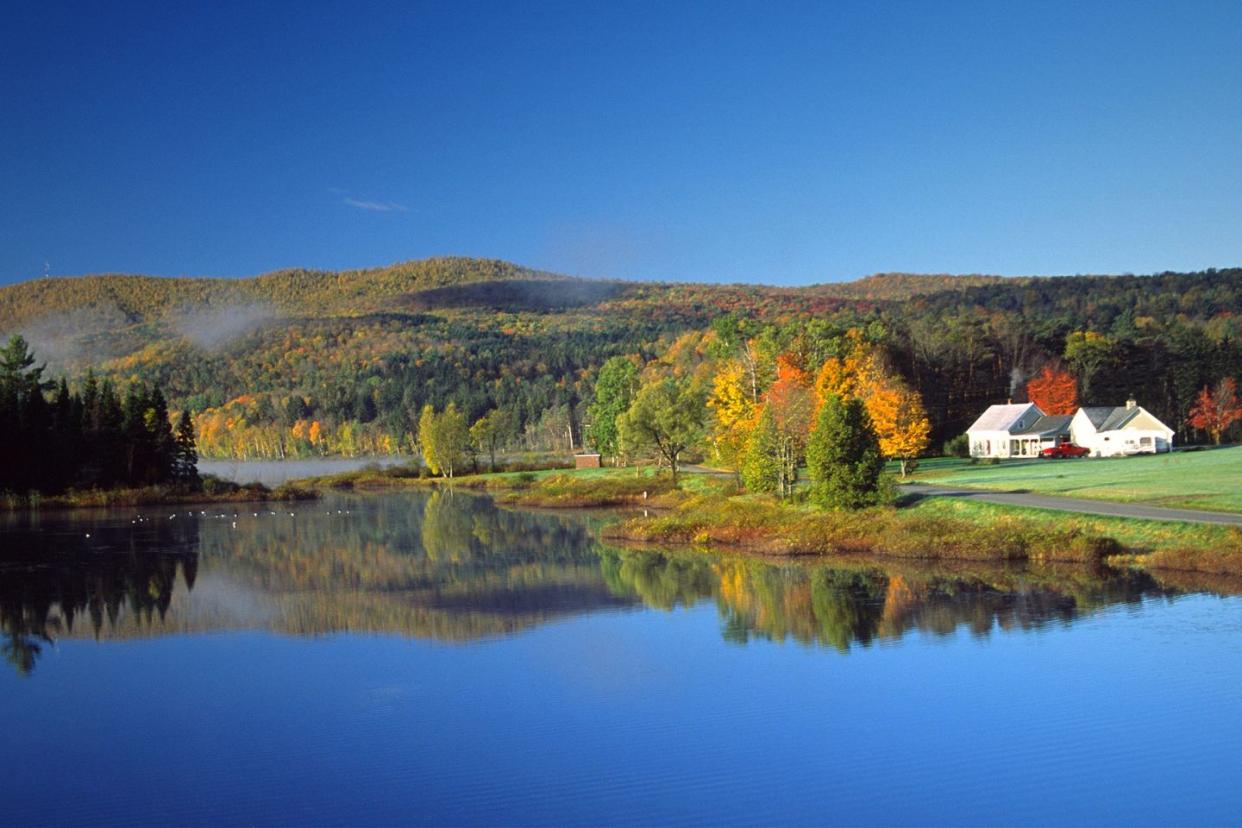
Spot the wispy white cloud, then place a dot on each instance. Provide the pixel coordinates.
(376, 206)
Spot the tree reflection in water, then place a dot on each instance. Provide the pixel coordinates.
(455, 567)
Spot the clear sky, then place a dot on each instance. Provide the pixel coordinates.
(774, 141)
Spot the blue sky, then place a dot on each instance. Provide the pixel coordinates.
(776, 142)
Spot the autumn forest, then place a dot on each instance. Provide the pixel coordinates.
(302, 363)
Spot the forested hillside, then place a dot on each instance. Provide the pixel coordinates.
(304, 362)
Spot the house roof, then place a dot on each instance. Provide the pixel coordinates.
(1000, 417)
(1111, 418)
(1048, 425)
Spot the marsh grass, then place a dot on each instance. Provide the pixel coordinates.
(931, 530)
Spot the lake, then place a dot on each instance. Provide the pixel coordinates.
(432, 659)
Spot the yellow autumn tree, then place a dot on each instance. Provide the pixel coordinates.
(899, 420)
(847, 376)
(733, 414)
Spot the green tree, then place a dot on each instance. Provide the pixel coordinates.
(489, 432)
(614, 392)
(1088, 353)
(843, 455)
(667, 417)
(17, 366)
(761, 466)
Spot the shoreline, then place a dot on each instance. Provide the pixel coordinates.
(706, 512)
(152, 496)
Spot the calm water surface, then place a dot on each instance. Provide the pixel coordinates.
(432, 659)
(276, 472)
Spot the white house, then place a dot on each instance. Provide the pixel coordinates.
(1016, 430)
(1111, 431)
(1023, 430)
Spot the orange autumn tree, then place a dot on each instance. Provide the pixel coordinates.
(1054, 390)
(895, 409)
(1216, 409)
(847, 376)
(792, 403)
(776, 444)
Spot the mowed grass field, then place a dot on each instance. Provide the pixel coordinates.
(1210, 479)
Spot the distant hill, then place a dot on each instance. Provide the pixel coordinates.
(137, 299)
(898, 286)
(359, 351)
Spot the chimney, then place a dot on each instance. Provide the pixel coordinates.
(1131, 403)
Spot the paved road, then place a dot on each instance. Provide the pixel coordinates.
(1072, 504)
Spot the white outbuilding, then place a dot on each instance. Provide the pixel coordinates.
(1110, 431)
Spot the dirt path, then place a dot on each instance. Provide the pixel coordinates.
(916, 491)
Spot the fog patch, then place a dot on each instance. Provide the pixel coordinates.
(211, 327)
(79, 336)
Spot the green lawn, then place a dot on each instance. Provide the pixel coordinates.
(1194, 480)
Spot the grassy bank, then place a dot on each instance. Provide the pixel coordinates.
(936, 529)
(1210, 479)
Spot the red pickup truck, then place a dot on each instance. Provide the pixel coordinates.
(1064, 450)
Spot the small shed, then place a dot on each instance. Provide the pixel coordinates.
(586, 461)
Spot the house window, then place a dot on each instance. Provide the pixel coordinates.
(1144, 441)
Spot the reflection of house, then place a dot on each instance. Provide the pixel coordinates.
(1125, 429)
(1022, 430)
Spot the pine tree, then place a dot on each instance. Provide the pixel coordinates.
(160, 433)
(185, 454)
(843, 455)
(761, 467)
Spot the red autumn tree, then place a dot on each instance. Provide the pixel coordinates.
(1216, 409)
(1053, 390)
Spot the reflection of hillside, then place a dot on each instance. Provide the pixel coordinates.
(455, 568)
(845, 602)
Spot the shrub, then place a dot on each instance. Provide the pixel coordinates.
(958, 446)
(216, 486)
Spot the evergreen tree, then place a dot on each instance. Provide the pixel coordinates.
(843, 455)
(107, 438)
(160, 433)
(185, 454)
(761, 467)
